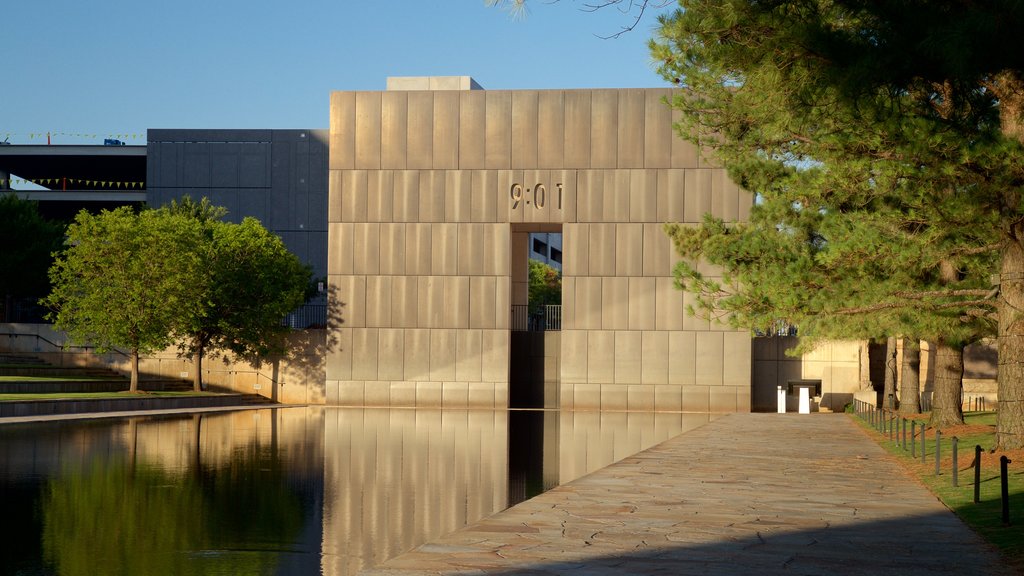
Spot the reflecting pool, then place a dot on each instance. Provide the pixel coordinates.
(284, 490)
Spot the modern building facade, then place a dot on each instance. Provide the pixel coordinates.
(432, 197)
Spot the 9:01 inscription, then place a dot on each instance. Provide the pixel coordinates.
(537, 195)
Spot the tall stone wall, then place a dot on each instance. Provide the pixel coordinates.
(432, 192)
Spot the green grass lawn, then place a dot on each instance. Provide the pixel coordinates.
(59, 378)
(984, 517)
(97, 395)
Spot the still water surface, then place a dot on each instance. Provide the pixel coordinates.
(284, 490)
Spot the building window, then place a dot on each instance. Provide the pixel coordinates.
(540, 247)
(556, 255)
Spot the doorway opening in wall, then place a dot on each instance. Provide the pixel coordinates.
(536, 319)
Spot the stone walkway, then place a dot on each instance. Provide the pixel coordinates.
(746, 494)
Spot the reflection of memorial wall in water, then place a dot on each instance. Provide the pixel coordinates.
(394, 479)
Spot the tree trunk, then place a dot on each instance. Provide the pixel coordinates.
(889, 392)
(197, 360)
(948, 389)
(910, 379)
(1010, 418)
(133, 386)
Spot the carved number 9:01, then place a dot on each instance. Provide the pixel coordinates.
(537, 195)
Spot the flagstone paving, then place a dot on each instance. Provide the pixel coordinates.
(745, 494)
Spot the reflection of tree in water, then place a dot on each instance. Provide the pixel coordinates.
(111, 518)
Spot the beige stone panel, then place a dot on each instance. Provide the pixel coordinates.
(520, 253)
(391, 354)
(698, 195)
(353, 196)
(481, 395)
(722, 399)
(613, 397)
(392, 248)
(524, 128)
(482, 299)
(628, 348)
(604, 113)
(456, 305)
(710, 358)
(351, 294)
(600, 357)
(418, 249)
(472, 115)
(551, 112)
(402, 394)
(575, 250)
(339, 356)
(520, 293)
(586, 397)
(668, 398)
(368, 130)
(406, 196)
(643, 196)
(657, 251)
(574, 357)
(654, 354)
(445, 130)
(454, 395)
(444, 249)
(588, 303)
(629, 249)
(498, 130)
(730, 198)
(340, 248)
(496, 250)
(377, 393)
(564, 201)
(431, 196)
(416, 353)
(458, 192)
(684, 154)
(672, 196)
(746, 202)
(642, 303)
(350, 393)
(569, 303)
(334, 179)
(394, 118)
(502, 194)
(380, 190)
(658, 131)
(471, 249)
(403, 301)
(614, 303)
(602, 250)
(631, 128)
(442, 354)
(420, 134)
(494, 352)
(428, 395)
(577, 133)
(737, 365)
(696, 398)
(615, 196)
(640, 397)
(682, 358)
(430, 299)
(590, 195)
(366, 257)
(516, 197)
(503, 303)
(743, 400)
(378, 301)
(536, 205)
(501, 395)
(343, 131)
(668, 302)
(468, 355)
(364, 354)
(484, 200)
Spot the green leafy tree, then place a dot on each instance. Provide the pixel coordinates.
(898, 123)
(125, 279)
(249, 283)
(28, 241)
(545, 285)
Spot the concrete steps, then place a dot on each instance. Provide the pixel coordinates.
(69, 379)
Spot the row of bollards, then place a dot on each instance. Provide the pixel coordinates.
(887, 422)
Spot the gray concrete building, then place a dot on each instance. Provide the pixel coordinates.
(432, 197)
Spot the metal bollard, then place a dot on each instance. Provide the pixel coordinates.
(904, 434)
(1005, 489)
(977, 473)
(913, 438)
(924, 447)
(938, 449)
(892, 426)
(956, 483)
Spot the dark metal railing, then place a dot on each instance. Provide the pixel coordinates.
(542, 319)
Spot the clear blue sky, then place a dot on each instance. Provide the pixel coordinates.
(110, 67)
